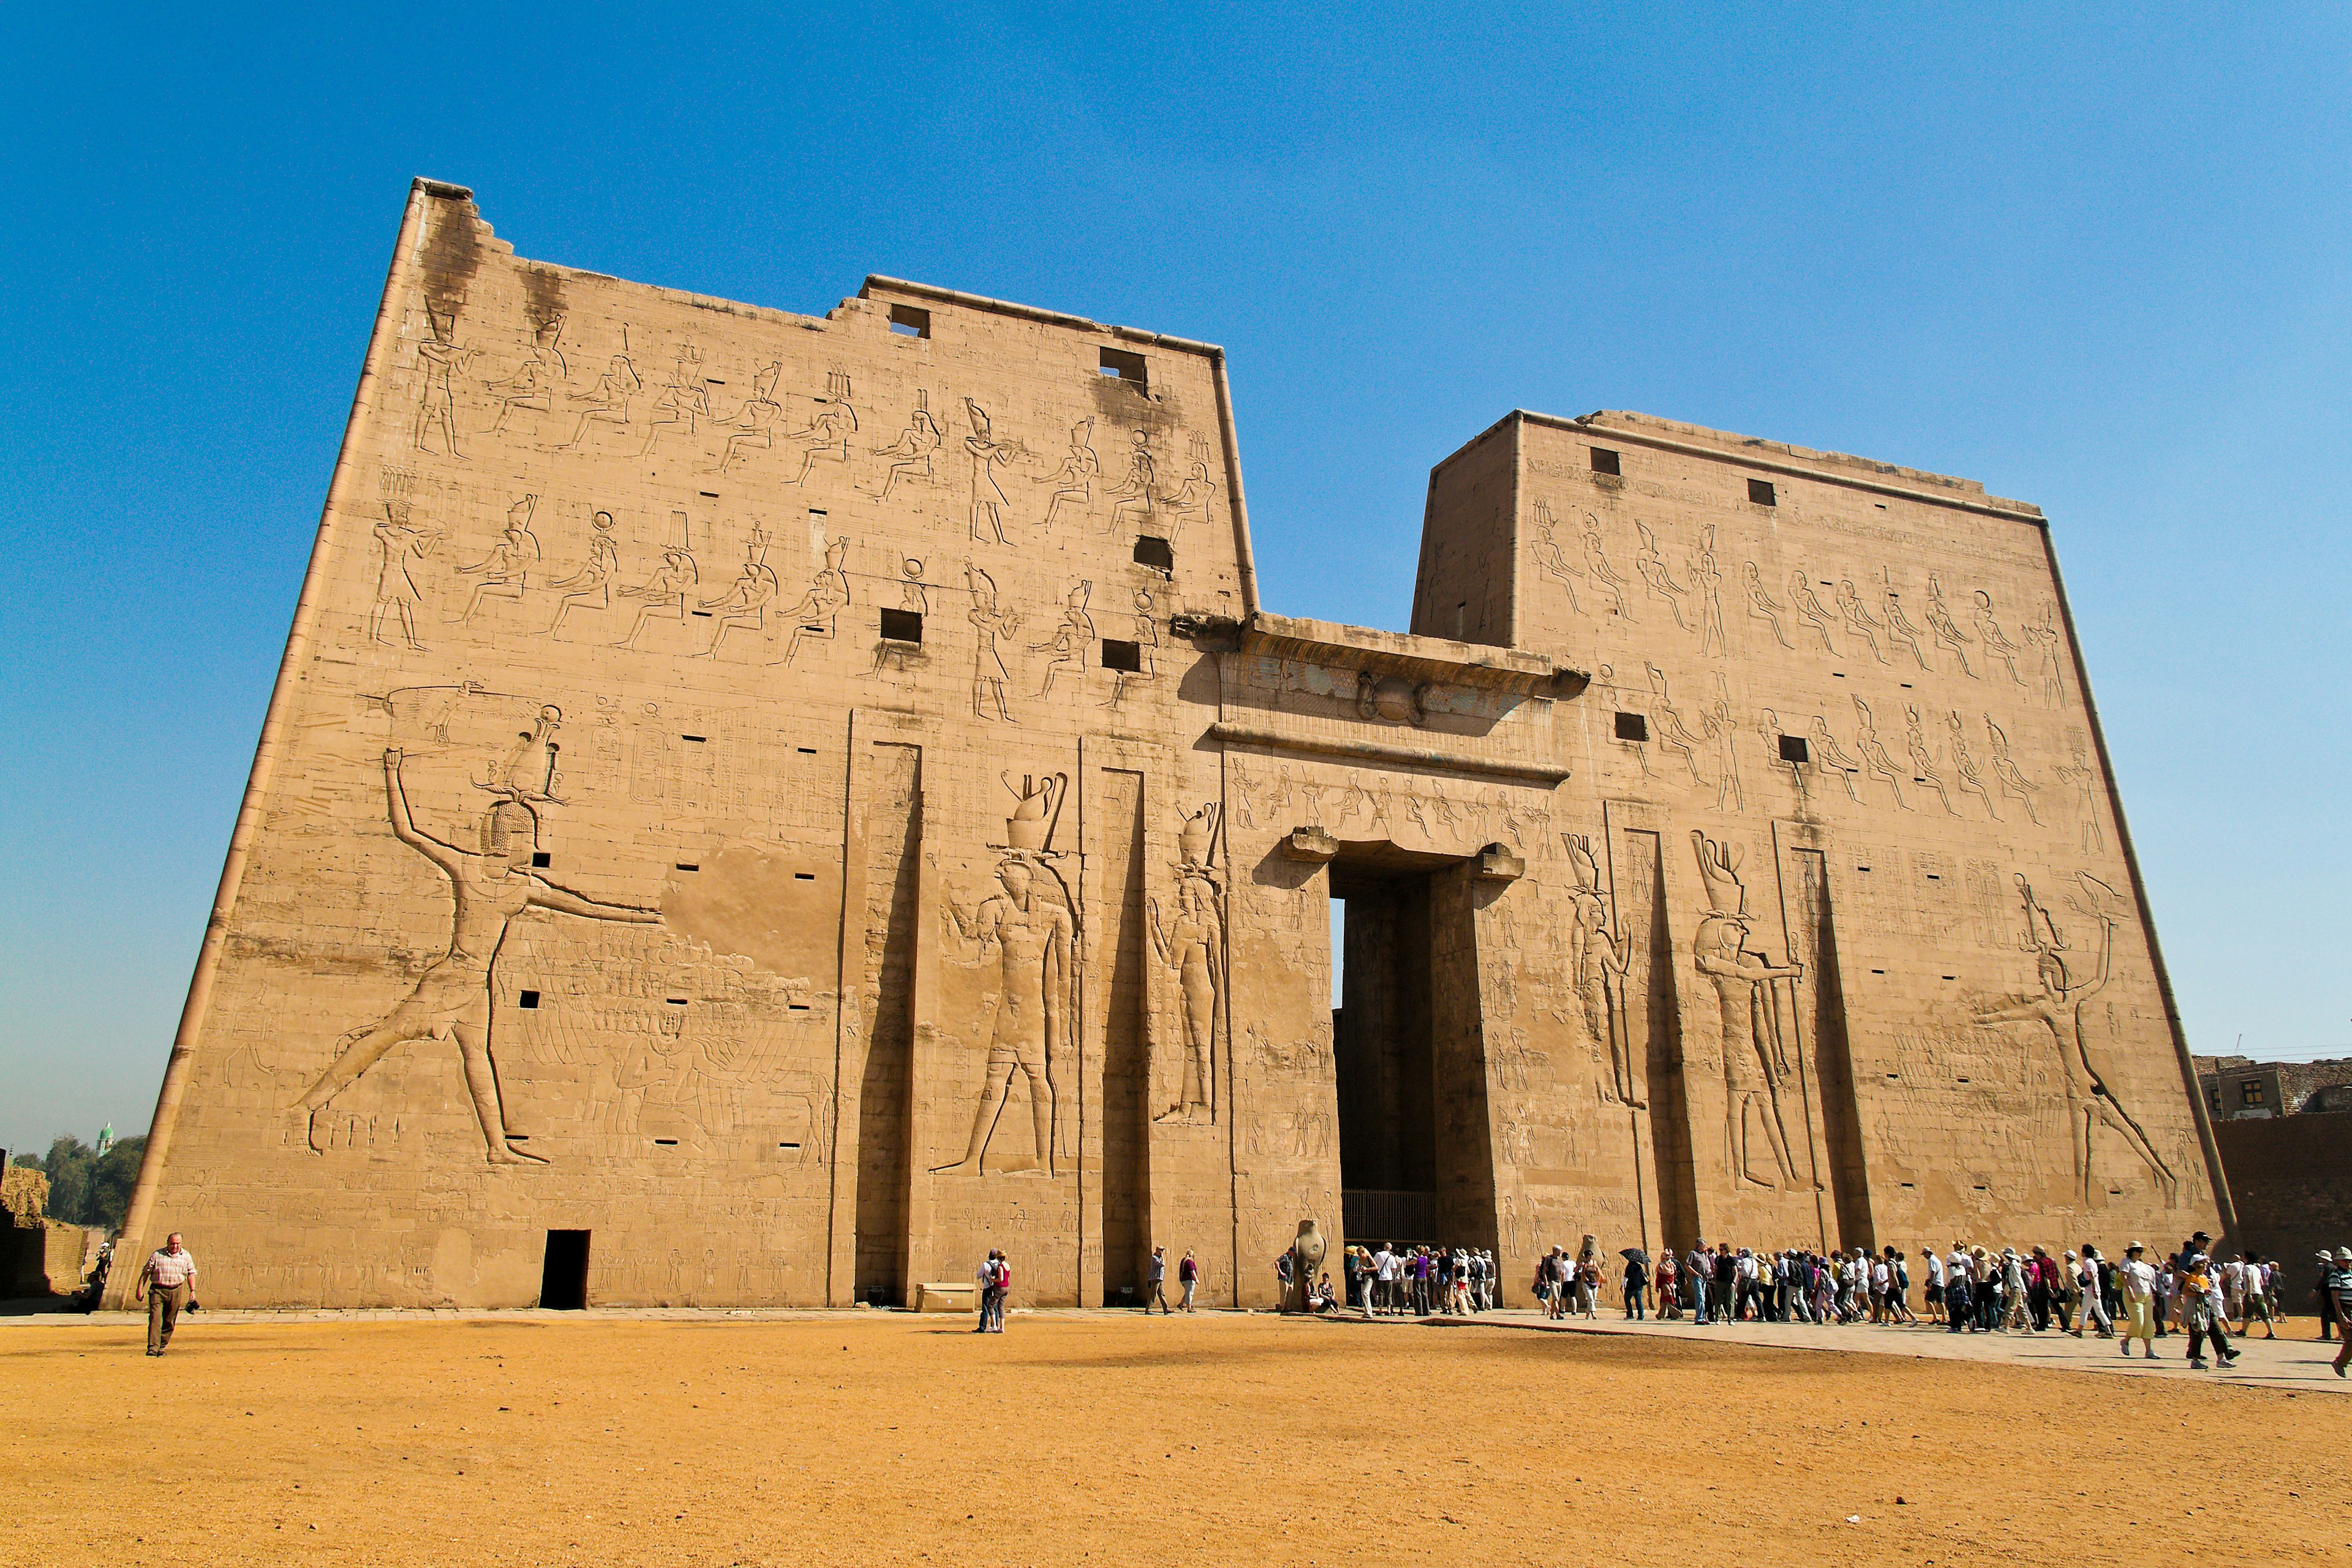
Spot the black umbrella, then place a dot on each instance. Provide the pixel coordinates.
(1635, 1255)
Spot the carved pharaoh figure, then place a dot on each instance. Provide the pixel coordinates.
(1030, 934)
(2057, 1006)
(1755, 1054)
(398, 544)
(1188, 944)
(451, 1000)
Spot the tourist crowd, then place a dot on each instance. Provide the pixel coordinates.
(1971, 1287)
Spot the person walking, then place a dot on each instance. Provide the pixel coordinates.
(2339, 1287)
(1155, 1283)
(1637, 1281)
(2256, 1301)
(1698, 1274)
(2202, 1309)
(2136, 1276)
(1188, 1275)
(1959, 1291)
(2095, 1306)
(165, 1285)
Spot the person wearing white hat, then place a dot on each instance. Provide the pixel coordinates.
(2138, 1277)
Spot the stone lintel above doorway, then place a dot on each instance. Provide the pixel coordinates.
(1416, 660)
(1350, 749)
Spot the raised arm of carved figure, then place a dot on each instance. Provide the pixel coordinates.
(1159, 941)
(563, 901)
(448, 857)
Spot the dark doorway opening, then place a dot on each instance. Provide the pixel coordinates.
(564, 1278)
(1416, 1161)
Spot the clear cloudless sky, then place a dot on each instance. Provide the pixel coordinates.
(2097, 261)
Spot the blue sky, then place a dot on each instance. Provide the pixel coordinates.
(2098, 263)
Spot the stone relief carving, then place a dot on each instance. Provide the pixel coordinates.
(753, 427)
(2056, 1003)
(1147, 648)
(1190, 940)
(818, 613)
(745, 603)
(1652, 568)
(1074, 481)
(1031, 933)
(1755, 1022)
(1600, 957)
(988, 455)
(1074, 637)
(399, 545)
(591, 584)
(537, 378)
(1997, 645)
(439, 358)
(608, 403)
(912, 453)
(830, 429)
(489, 887)
(501, 573)
(1763, 607)
(1923, 762)
(664, 594)
(991, 623)
(1602, 573)
(684, 401)
(1940, 621)
(1808, 608)
(1549, 559)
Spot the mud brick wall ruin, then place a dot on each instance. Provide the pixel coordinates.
(759, 808)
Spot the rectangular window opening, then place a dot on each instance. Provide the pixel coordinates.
(787, 1146)
(807, 750)
(1152, 550)
(1794, 750)
(1605, 461)
(674, 1001)
(1118, 654)
(698, 740)
(526, 998)
(709, 495)
(689, 865)
(1633, 726)
(1128, 367)
(1761, 492)
(910, 320)
(796, 1006)
(902, 626)
(666, 1143)
(803, 876)
(541, 859)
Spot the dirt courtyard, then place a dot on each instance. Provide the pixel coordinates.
(1100, 1438)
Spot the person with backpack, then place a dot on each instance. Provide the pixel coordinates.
(1188, 1275)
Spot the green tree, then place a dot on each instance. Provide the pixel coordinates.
(106, 1197)
(68, 1167)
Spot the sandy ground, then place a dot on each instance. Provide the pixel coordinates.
(1094, 1436)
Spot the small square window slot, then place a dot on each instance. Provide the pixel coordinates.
(1121, 654)
(1794, 750)
(910, 320)
(1761, 492)
(526, 998)
(902, 626)
(540, 860)
(1152, 550)
(1128, 367)
(1633, 726)
(1605, 461)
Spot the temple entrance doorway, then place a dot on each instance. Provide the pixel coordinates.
(1414, 1165)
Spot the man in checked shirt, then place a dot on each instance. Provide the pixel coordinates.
(164, 1286)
